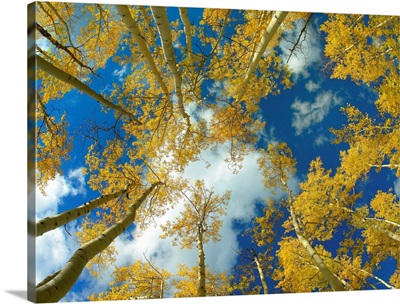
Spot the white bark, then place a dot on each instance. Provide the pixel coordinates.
(370, 220)
(54, 71)
(260, 272)
(161, 20)
(153, 33)
(55, 287)
(328, 275)
(126, 17)
(273, 26)
(378, 279)
(201, 288)
(187, 29)
(53, 222)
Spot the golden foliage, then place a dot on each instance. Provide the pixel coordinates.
(360, 48)
(91, 230)
(140, 280)
(201, 216)
(217, 284)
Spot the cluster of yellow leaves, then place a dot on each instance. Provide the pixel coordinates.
(322, 202)
(297, 272)
(213, 17)
(106, 166)
(264, 232)
(51, 139)
(371, 143)
(89, 231)
(387, 206)
(351, 269)
(102, 33)
(140, 280)
(395, 279)
(383, 227)
(201, 215)
(361, 47)
(217, 284)
(277, 165)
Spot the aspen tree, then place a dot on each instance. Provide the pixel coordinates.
(277, 164)
(161, 20)
(198, 224)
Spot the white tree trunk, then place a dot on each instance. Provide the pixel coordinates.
(153, 32)
(55, 221)
(328, 275)
(54, 71)
(55, 287)
(260, 272)
(188, 33)
(161, 20)
(378, 279)
(370, 221)
(126, 17)
(273, 26)
(201, 288)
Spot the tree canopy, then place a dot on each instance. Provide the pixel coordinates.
(135, 96)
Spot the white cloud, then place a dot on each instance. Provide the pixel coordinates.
(54, 248)
(73, 184)
(217, 88)
(320, 140)
(120, 74)
(312, 86)
(43, 43)
(307, 54)
(176, 44)
(307, 113)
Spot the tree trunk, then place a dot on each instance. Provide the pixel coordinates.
(126, 17)
(378, 279)
(55, 221)
(58, 45)
(55, 287)
(71, 80)
(161, 20)
(260, 272)
(328, 275)
(370, 221)
(273, 26)
(187, 29)
(162, 289)
(153, 32)
(201, 289)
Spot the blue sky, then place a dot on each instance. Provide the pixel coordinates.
(305, 114)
